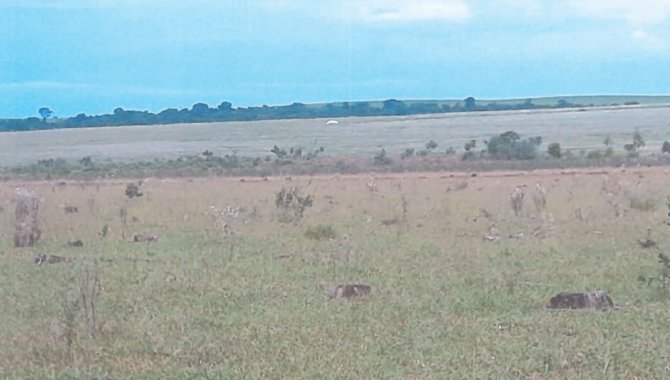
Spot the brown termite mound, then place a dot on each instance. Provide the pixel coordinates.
(348, 291)
(597, 300)
(26, 230)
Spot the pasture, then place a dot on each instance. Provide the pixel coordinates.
(234, 289)
(574, 129)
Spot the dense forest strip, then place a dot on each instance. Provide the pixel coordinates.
(201, 112)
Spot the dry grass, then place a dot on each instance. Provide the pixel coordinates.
(251, 304)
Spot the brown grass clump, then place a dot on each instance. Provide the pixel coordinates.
(320, 232)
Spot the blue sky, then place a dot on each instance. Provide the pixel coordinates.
(91, 56)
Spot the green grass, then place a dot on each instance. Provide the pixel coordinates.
(249, 302)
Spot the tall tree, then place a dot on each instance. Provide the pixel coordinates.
(45, 113)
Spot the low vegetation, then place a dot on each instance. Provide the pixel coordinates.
(229, 290)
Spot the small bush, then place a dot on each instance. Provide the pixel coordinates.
(509, 146)
(430, 145)
(409, 152)
(554, 150)
(381, 158)
(469, 155)
(450, 151)
(666, 147)
(133, 191)
(290, 205)
(320, 232)
(594, 155)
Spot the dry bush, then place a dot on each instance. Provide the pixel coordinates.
(517, 198)
(26, 231)
(540, 198)
(290, 205)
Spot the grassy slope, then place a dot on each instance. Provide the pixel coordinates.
(445, 304)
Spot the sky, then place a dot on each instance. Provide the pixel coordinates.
(91, 56)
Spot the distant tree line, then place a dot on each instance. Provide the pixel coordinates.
(201, 112)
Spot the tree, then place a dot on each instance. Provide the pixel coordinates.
(225, 106)
(45, 113)
(554, 150)
(470, 104)
(200, 109)
(394, 107)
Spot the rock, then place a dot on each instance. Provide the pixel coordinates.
(597, 300)
(52, 259)
(76, 243)
(348, 290)
(145, 238)
(71, 209)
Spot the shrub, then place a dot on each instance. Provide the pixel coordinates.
(509, 146)
(450, 151)
(594, 155)
(381, 158)
(554, 150)
(133, 190)
(666, 147)
(469, 155)
(290, 205)
(430, 145)
(409, 152)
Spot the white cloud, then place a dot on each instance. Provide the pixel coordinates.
(411, 10)
(636, 12)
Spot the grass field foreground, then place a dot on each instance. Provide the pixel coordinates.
(229, 291)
